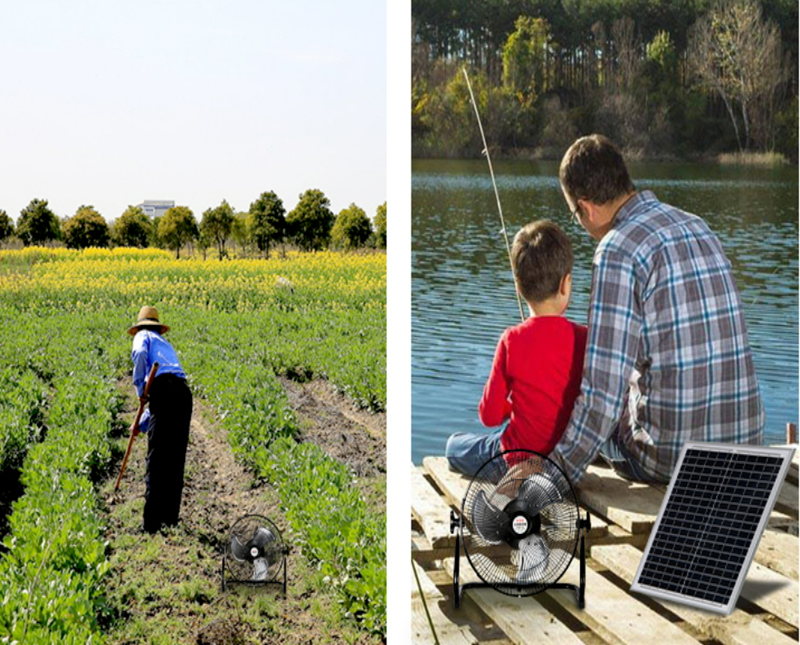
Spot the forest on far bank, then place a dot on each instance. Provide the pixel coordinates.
(685, 79)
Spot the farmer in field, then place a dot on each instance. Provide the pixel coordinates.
(667, 356)
(166, 422)
(536, 373)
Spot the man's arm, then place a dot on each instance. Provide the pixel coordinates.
(140, 356)
(495, 407)
(615, 322)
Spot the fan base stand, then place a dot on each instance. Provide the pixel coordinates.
(254, 583)
(518, 590)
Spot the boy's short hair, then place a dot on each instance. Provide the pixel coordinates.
(542, 257)
(593, 169)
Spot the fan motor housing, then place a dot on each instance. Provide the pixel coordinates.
(522, 522)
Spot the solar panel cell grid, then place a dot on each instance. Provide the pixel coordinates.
(708, 524)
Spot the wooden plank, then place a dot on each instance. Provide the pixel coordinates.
(739, 628)
(787, 499)
(614, 615)
(610, 612)
(447, 632)
(773, 592)
(632, 505)
(523, 620)
(778, 551)
(454, 487)
(779, 520)
(452, 484)
(430, 511)
(617, 535)
(428, 588)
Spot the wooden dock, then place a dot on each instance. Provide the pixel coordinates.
(622, 514)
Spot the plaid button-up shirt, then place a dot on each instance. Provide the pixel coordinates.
(667, 355)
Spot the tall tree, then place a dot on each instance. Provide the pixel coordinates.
(6, 226)
(216, 225)
(311, 220)
(267, 222)
(240, 232)
(132, 228)
(177, 227)
(379, 223)
(37, 223)
(351, 229)
(524, 59)
(737, 55)
(85, 228)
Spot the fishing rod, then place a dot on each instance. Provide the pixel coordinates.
(496, 194)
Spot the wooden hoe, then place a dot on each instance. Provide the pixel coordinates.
(134, 429)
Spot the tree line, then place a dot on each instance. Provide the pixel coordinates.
(310, 226)
(665, 79)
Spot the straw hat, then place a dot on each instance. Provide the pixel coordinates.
(148, 318)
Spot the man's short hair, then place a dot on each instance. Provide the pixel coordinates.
(593, 169)
(542, 257)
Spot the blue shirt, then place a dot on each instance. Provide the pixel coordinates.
(150, 347)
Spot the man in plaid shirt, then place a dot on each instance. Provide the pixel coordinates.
(667, 356)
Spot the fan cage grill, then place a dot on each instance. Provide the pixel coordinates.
(527, 568)
(244, 530)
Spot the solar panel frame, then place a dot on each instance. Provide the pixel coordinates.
(714, 450)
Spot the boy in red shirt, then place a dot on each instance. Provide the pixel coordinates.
(536, 374)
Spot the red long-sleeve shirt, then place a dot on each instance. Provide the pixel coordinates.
(535, 379)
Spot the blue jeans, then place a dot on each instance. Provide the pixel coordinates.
(617, 456)
(467, 452)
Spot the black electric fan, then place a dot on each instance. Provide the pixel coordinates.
(520, 525)
(254, 553)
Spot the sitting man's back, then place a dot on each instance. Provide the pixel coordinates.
(667, 359)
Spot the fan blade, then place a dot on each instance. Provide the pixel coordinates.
(260, 569)
(539, 491)
(238, 550)
(489, 521)
(532, 559)
(262, 537)
(489, 570)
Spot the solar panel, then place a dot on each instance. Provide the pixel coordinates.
(710, 523)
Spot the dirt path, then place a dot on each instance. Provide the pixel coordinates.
(330, 420)
(166, 588)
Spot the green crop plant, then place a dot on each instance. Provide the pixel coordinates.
(239, 327)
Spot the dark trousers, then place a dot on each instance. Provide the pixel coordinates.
(167, 436)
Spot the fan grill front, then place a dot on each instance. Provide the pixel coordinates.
(520, 522)
(254, 550)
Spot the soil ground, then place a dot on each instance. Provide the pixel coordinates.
(166, 588)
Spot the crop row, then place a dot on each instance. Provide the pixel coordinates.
(23, 399)
(331, 523)
(233, 364)
(50, 577)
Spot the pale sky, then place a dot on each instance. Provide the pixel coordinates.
(111, 103)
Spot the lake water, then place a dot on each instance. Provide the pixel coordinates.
(463, 293)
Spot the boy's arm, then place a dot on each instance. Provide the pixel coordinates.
(495, 407)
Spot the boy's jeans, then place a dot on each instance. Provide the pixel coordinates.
(467, 452)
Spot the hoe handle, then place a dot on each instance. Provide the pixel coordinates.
(135, 425)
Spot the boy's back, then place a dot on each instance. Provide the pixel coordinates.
(535, 379)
